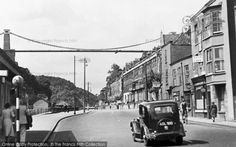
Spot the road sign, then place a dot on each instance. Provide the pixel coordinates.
(3, 73)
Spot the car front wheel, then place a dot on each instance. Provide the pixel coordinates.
(147, 142)
(179, 140)
(134, 138)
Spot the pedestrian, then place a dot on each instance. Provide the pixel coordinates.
(23, 120)
(213, 111)
(7, 123)
(184, 111)
(134, 103)
(117, 105)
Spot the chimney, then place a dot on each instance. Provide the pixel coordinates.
(6, 44)
(6, 39)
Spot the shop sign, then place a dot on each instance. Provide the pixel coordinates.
(198, 58)
(3, 73)
(156, 84)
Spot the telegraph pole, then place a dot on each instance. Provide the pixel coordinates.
(84, 82)
(146, 89)
(84, 61)
(88, 92)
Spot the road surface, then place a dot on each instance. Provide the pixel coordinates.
(112, 126)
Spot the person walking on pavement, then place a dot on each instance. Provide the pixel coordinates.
(7, 122)
(213, 111)
(184, 111)
(23, 120)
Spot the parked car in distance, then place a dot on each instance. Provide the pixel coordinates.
(158, 121)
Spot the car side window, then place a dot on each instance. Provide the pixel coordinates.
(140, 110)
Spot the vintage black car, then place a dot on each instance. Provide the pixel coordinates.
(158, 121)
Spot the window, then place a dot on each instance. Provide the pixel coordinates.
(216, 21)
(165, 56)
(209, 55)
(163, 109)
(219, 65)
(207, 26)
(216, 60)
(219, 61)
(186, 71)
(174, 77)
(209, 65)
(196, 33)
(219, 53)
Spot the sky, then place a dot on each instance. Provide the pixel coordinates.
(89, 24)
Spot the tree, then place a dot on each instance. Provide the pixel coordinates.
(114, 74)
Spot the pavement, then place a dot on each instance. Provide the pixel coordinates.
(44, 124)
(47, 121)
(218, 122)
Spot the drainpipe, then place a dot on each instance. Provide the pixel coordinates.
(182, 70)
(146, 90)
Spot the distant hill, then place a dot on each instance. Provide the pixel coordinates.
(64, 90)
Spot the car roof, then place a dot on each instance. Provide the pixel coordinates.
(158, 102)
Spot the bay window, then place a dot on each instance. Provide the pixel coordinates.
(214, 59)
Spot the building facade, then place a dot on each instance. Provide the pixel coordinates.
(209, 77)
(176, 66)
(139, 83)
(115, 90)
(229, 17)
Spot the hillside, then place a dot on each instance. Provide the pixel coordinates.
(63, 90)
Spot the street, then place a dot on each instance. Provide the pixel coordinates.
(112, 126)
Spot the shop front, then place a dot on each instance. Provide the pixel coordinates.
(201, 99)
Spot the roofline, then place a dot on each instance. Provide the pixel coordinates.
(202, 9)
(13, 66)
(141, 63)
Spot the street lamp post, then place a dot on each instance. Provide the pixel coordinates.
(17, 81)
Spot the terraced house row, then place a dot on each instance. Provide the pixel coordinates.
(196, 65)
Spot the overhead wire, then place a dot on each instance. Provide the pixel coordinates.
(76, 48)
